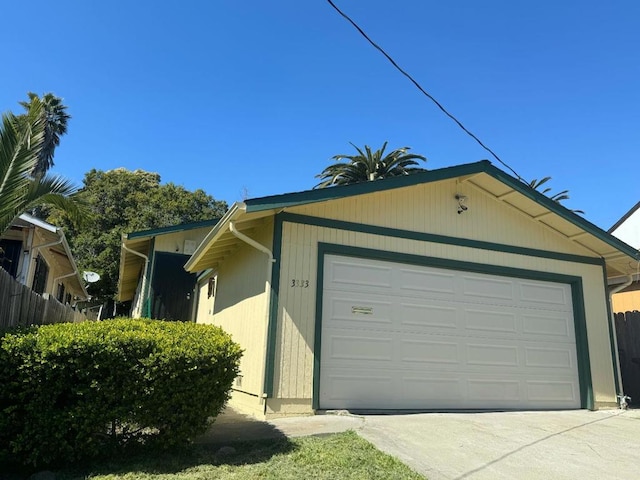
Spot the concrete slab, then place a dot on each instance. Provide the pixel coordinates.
(559, 445)
(232, 426)
(507, 445)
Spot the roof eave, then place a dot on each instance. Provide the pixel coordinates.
(235, 211)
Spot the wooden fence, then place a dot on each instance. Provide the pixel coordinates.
(19, 305)
(628, 332)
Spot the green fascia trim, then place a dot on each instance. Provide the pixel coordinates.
(484, 166)
(146, 303)
(342, 191)
(272, 327)
(172, 229)
(563, 212)
(203, 274)
(434, 238)
(612, 343)
(582, 346)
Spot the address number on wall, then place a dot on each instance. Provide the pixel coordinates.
(296, 283)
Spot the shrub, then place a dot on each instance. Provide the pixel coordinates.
(77, 391)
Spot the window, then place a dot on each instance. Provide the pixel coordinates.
(211, 289)
(40, 277)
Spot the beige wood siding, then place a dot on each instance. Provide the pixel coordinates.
(423, 208)
(174, 242)
(240, 306)
(432, 208)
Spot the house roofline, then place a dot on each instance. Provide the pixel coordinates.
(624, 217)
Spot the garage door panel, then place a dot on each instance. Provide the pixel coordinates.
(552, 392)
(359, 310)
(491, 320)
(422, 282)
(487, 289)
(538, 295)
(542, 357)
(353, 275)
(494, 391)
(429, 389)
(550, 325)
(360, 387)
(429, 351)
(420, 316)
(492, 355)
(370, 349)
(431, 338)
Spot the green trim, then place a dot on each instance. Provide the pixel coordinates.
(612, 343)
(561, 211)
(146, 305)
(204, 274)
(434, 238)
(172, 229)
(338, 192)
(272, 327)
(582, 347)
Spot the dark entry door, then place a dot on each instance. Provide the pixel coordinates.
(10, 256)
(171, 287)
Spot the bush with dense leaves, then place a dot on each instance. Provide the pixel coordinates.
(72, 392)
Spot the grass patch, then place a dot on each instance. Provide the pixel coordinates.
(338, 456)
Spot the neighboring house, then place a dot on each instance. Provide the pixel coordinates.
(37, 254)
(152, 274)
(457, 288)
(627, 229)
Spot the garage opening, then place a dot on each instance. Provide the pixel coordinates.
(399, 336)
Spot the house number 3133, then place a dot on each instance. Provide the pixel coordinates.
(299, 283)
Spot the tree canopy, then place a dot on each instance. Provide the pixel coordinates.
(124, 201)
(368, 165)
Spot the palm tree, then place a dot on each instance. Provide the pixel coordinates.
(21, 142)
(368, 166)
(55, 125)
(557, 197)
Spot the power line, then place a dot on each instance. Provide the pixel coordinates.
(444, 110)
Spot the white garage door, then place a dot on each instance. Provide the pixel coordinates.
(398, 336)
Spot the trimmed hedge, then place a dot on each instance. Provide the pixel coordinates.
(73, 392)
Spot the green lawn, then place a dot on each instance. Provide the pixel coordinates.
(338, 456)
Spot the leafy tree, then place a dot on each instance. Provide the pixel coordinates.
(21, 143)
(124, 201)
(368, 166)
(55, 116)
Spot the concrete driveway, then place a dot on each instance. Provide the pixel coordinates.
(499, 445)
(512, 445)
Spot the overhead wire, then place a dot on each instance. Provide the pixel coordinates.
(419, 87)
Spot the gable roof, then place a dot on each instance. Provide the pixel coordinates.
(56, 243)
(480, 175)
(141, 242)
(624, 218)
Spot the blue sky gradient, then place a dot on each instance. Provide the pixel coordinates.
(257, 96)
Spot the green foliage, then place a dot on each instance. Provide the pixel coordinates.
(124, 201)
(55, 117)
(79, 391)
(21, 143)
(558, 197)
(368, 166)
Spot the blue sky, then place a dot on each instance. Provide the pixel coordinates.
(257, 96)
